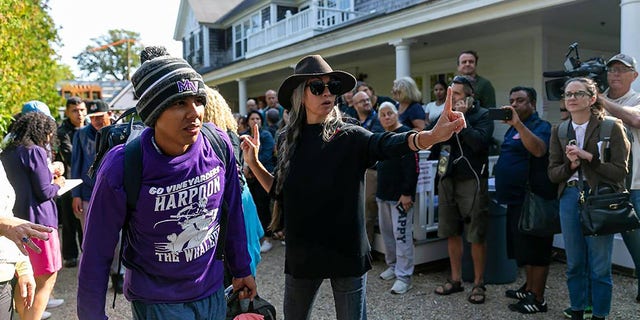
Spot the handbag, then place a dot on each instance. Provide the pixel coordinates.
(540, 214)
(258, 309)
(606, 211)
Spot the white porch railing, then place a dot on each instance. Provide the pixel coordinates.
(296, 27)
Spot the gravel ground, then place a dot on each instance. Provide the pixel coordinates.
(419, 303)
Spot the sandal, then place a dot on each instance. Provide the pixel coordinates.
(449, 287)
(478, 294)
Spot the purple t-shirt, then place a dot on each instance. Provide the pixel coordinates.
(28, 171)
(172, 233)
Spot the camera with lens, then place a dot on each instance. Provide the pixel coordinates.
(594, 68)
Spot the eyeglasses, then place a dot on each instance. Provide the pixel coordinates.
(363, 101)
(317, 87)
(577, 94)
(619, 70)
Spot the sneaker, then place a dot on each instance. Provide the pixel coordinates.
(45, 315)
(588, 312)
(401, 287)
(54, 303)
(529, 305)
(388, 274)
(266, 246)
(519, 293)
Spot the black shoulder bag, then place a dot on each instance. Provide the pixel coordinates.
(605, 211)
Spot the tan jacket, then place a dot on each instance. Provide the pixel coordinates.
(613, 172)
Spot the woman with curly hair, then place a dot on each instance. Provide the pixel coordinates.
(217, 111)
(26, 163)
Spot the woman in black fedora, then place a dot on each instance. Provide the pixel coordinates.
(318, 184)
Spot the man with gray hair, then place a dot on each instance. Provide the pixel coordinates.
(621, 101)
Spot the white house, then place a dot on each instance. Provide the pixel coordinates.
(246, 47)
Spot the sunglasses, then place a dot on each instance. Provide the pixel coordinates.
(317, 87)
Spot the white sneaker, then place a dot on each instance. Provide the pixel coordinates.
(388, 274)
(54, 303)
(401, 287)
(45, 315)
(266, 246)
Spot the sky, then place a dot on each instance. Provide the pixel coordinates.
(80, 21)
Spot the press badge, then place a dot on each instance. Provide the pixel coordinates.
(443, 161)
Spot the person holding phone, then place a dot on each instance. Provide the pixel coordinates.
(397, 178)
(463, 191)
(523, 161)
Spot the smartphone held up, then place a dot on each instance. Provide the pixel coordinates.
(500, 114)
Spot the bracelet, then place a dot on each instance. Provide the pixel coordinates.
(416, 141)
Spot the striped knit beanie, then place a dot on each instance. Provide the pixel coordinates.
(162, 80)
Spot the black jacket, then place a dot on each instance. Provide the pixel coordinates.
(65, 133)
(475, 140)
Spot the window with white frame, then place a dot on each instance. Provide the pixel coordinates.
(241, 30)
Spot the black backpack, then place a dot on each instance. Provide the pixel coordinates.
(129, 133)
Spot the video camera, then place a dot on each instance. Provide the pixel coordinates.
(594, 68)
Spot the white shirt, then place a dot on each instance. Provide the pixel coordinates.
(580, 130)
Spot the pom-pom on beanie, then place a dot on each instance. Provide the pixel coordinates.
(161, 80)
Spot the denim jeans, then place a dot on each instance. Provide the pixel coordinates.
(349, 295)
(632, 238)
(588, 259)
(213, 307)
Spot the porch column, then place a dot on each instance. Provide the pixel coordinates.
(629, 26)
(403, 57)
(242, 95)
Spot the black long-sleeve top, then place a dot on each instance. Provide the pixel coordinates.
(475, 140)
(323, 199)
(397, 176)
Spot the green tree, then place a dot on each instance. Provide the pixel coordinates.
(112, 56)
(28, 63)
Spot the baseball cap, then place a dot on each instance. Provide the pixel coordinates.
(36, 106)
(97, 108)
(627, 60)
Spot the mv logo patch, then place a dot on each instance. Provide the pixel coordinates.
(187, 85)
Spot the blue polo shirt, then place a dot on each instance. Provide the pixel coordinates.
(512, 169)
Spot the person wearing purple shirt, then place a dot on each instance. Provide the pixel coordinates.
(172, 234)
(27, 166)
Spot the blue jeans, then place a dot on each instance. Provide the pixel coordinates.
(632, 238)
(588, 259)
(213, 307)
(349, 295)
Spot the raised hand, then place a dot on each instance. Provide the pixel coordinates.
(251, 145)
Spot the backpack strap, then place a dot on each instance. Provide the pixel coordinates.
(606, 127)
(563, 129)
(221, 148)
(131, 184)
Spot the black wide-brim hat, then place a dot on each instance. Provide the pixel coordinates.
(311, 67)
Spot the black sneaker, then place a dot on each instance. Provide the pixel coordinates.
(519, 294)
(529, 305)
